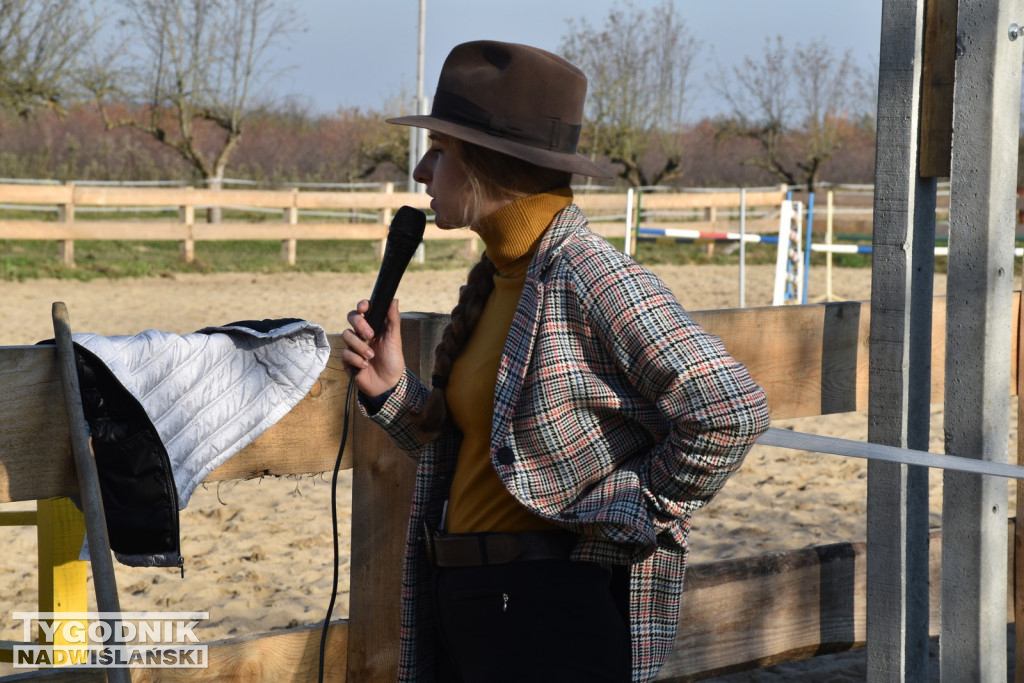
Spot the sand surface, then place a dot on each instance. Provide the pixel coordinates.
(258, 553)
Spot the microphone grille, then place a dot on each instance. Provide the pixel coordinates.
(409, 221)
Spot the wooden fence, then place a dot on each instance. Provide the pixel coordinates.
(301, 214)
(737, 614)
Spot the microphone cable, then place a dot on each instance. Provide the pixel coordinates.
(334, 525)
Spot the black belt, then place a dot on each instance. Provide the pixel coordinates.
(478, 550)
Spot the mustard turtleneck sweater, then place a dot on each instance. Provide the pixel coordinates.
(479, 501)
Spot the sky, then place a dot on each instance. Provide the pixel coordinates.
(364, 52)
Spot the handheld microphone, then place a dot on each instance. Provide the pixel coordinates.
(404, 236)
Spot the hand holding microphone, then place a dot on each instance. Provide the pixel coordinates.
(404, 236)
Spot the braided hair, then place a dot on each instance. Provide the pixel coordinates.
(490, 174)
(465, 316)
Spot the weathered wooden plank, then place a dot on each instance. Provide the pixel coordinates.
(93, 230)
(307, 438)
(810, 360)
(36, 194)
(370, 201)
(162, 196)
(654, 201)
(736, 614)
(35, 450)
(94, 196)
(136, 196)
(314, 231)
(758, 611)
(937, 67)
(211, 232)
(289, 655)
(783, 346)
(208, 232)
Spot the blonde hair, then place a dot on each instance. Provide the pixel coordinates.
(489, 174)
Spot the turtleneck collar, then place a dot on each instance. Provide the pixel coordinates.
(513, 230)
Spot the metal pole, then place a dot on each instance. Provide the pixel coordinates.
(807, 255)
(417, 136)
(743, 245)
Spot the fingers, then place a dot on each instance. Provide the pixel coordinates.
(357, 320)
(379, 361)
(358, 354)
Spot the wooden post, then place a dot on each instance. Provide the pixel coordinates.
(937, 69)
(979, 285)
(187, 213)
(710, 215)
(382, 486)
(635, 219)
(291, 217)
(66, 215)
(902, 273)
(385, 218)
(104, 578)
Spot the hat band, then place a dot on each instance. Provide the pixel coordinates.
(535, 131)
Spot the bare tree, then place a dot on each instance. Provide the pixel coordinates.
(195, 75)
(796, 103)
(41, 42)
(638, 66)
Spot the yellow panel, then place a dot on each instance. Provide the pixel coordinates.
(63, 577)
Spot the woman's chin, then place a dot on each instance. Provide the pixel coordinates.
(447, 225)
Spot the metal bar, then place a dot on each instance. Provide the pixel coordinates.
(785, 438)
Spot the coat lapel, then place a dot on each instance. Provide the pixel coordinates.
(522, 335)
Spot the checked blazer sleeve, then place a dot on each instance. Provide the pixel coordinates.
(712, 409)
(625, 415)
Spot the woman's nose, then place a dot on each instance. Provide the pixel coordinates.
(421, 174)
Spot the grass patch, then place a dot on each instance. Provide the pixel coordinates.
(28, 259)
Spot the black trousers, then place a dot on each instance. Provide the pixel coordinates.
(532, 621)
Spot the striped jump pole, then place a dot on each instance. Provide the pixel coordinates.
(668, 235)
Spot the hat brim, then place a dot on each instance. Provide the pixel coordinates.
(545, 158)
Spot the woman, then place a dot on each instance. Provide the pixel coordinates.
(577, 416)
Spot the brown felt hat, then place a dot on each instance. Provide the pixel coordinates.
(515, 99)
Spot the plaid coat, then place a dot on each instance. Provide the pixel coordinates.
(615, 416)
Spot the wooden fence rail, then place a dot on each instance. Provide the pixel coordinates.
(187, 230)
(812, 360)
